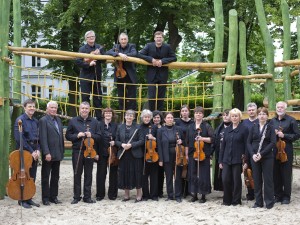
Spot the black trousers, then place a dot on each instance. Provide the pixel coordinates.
(160, 180)
(126, 94)
(92, 87)
(169, 170)
(157, 95)
(232, 184)
(102, 166)
(33, 169)
(263, 177)
(283, 177)
(85, 164)
(151, 172)
(50, 189)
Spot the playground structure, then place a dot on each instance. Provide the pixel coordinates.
(219, 89)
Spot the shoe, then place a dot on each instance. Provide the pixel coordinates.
(226, 204)
(125, 199)
(99, 198)
(112, 198)
(250, 198)
(145, 199)
(89, 200)
(270, 206)
(155, 198)
(24, 204)
(55, 200)
(256, 206)
(202, 200)
(75, 201)
(285, 202)
(161, 196)
(178, 200)
(30, 202)
(193, 199)
(138, 200)
(169, 199)
(277, 199)
(236, 203)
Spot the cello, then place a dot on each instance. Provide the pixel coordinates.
(20, 186)
(151, 155)
(281, 154)
(89, 151)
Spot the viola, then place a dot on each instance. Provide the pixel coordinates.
(112, 155)
(151, 155)
(180, 154)
(281, 154)
(89, 142)
(199, 154)
(248, 178)
(20, 186)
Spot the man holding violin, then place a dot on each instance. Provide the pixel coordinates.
(286, 129)
(125, 72)
(83, 131)
(30, 141)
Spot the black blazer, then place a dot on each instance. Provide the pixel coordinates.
(87, 71)
(51, 140)
(163, 142)
(164, 53)
(137, 141)
(254, 139)
(234, 145)
(129, 50)
(102, 148)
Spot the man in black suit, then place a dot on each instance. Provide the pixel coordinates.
(126, 91)
(52, 146)
(158, 53)
(91, 72)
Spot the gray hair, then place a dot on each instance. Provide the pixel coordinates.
(85, 103)
(90, 31)
(123, 34)
(130, 112)
(283, 103)
(251, 104)
(52, 103)
(146, 112)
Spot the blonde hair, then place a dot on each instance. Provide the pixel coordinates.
(235, 111)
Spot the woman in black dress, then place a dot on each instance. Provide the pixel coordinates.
(199, 170)
(167, 138)
(261, 141)
(233, 149)
(130, 140)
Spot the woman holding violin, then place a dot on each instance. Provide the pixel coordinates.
(260, 144)
(199, 138)
(150, 171)
(84, 133)
(169, 138)
(233, 150)
(130, 142)
(107, 152)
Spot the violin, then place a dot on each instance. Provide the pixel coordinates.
(120, 71)
(89, 142)
(89, 60)
(20, 186)
(112, 154)
(281, 154)
(151, 154)
(180, 154)
(199, 154)
(249, 181)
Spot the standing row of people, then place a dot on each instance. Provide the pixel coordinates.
(157, 53)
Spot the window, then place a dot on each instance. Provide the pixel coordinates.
(51, 91)
(36, 61)
(35, 91)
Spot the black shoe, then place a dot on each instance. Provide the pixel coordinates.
(155, 198)
(178, 200)
(75, 201)
(256, 206)
(99, 198)
(236, 203)
(24, 204)
(145, 199)
(277, 199)
(125, 199)
(226, 204)
(169, 199)
(112, 198)
(285, 202)
(89, 200)
(193, 199)
(161, 196)
(202, 200)
(270, 206)
(46, 202)
(250, 197)
(30, 202)
(55, 200)
(138, 200)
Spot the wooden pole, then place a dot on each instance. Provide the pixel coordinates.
(269, 48)
(232, 57)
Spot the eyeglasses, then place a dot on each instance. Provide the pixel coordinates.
(90, 37)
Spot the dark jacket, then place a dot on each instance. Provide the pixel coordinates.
(136, 143)
(164, 53)
(216, 144)
(51, 139)
(234, 145)
(87, 71)
(129, 50)
(254, 139)
(78, 124)
(102, 148)
(163, 142)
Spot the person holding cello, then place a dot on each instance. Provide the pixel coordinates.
(199, 138)
(260, 144)
(169, 139)
(52, 146)
(125, 72)
(107, 152)
(83, 131)
(287, 131)
(150, 171)
(30, 139)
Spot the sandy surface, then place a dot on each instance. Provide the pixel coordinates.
(150, 212)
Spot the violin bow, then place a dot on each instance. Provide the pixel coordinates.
(78, 158)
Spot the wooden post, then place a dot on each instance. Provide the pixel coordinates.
(4, 93)
(298, 35)
(270, 87)
(286, 51)
(232, 57)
